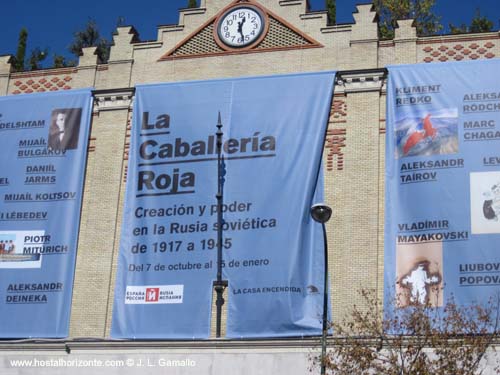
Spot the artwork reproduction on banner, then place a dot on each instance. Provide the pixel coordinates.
(273, 129)
(442, 183)
(42, 162)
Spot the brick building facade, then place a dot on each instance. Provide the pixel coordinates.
(297, 41)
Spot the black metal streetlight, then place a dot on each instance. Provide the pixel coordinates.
(219, 284)
(321, 213)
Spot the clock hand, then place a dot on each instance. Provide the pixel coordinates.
(240, 28)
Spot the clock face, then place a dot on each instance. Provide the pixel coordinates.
(241, 26)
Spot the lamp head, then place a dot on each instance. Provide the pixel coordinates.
(321, 213)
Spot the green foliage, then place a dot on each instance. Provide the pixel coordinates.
(61, 62)
(389, 11)
(21, 50)
(37, 55)
(192, 4)
(479, 24)
(90, 37)
(418, 340)
(331, 8)
(462, 29)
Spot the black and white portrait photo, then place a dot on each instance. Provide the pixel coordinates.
(64, 129)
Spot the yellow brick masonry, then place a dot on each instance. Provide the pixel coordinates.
(356, 192)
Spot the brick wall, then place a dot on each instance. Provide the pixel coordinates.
(354, 149)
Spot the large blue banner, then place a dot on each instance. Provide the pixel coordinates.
(273, 253)
(442, 183)
(42, 160)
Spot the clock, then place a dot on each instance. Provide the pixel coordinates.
(241, 26)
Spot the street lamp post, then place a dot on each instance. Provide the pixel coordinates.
(219, 284)
(321, 213)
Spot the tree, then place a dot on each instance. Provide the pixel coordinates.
(479, 24)
(192, 4)
(389, 11)
(60, 61)
(21, 50)
(35, 58)
(462, 29)
(37, 55)
(331, 8)
(90, 37)
(417, 340)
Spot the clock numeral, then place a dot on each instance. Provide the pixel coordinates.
(226, 28)
(229, 22)
(241, 14)
(227, 35)
(255, 26)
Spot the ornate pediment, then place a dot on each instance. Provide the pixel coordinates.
(278, 35)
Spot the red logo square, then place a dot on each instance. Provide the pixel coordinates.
(152, 294)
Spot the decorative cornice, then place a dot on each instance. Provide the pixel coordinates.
(405, 40)
(183, 13)
(336, 29)
(214, 344)
(148, 45)
(193, 10)
(115, 62)
(363, 41)
(458, 37)
(104, 344)
(44, 72)
(360, 81)
(313, 16)
(291, 2)
(170, 28)
(113, 101)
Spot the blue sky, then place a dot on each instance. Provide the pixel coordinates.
(51, 23)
